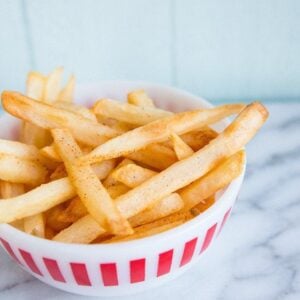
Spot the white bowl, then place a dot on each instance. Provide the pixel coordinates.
(128, 267)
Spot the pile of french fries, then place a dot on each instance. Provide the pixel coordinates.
(116, 171)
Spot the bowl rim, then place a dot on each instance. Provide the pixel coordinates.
(219, 205)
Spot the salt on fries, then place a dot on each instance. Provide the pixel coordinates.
(118, 171)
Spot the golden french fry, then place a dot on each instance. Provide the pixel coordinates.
(35, 85)
(49, 117)
(181, 149)
(53, 84)
(156, 156)
(128, 113)
(202, 206)
(117, 190)
(74, 211)
(198, 139)
(89, 188)
(20, 150)
(83, 231)
(17, 170)
(132, 175)
(110, 181)
(216, 179)
(144, 231)
(182, 173)
(49, 233)
(8, 189)
(30, 133)
(35, 225)
(67, 93)
(36, 201)
(55, 218)
(115, 124)
(167, 206)
(158, 131)
(59, 172)
(140, 98)
(78, 109)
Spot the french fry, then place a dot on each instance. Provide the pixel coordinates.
(76, 234)
(78, 109)
(140, 98)
(110, 181)
(216, 179)
(182, 173)
(55, 218)
(128, 113)
(36, 201)
(8, 189)
(156, 156)
(49, 233)
(158, 131)
(132, 175)
(117, 190)
(181, 149)
(17, 170)
(202, 206)
(89, 188)
(67, 93)
(35, 85)
(30, 133)
(20, 150)
(59, 172)
(198, 139)
(49, 117)
(35, 225)
(74, 211)
(50, 153)
(83, 231)
(167, 206)
(115, 124)
(53, 85)
(144, 231)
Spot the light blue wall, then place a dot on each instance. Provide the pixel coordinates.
(222, 50)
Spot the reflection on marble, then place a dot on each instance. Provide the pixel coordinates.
(258, 254)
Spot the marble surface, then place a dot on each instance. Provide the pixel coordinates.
(258, 254)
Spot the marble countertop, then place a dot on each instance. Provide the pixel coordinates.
(258, 254)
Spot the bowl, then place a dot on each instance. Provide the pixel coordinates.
(127, 267)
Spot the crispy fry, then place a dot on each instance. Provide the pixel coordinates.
(74, 211)
(132, 175)
(49, 117)
(159, 131)
(17, 170)
(202, 206)
(35, 85)
(78, 109)
(182, 173)
(8, 189)
(160, 209)
(52, 86)
(59, 172)
(216, 179)
(35, 225)
(55, 218)
(37, 200)
(181, 149)
(128, 113)
(85, 230)
(156, 156)
(67, 93)
(198, 139)
(110, 181)
(140, 98)
(20, 150)
(145, 231)
(89, 188)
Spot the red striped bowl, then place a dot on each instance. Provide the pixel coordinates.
(129, 267)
